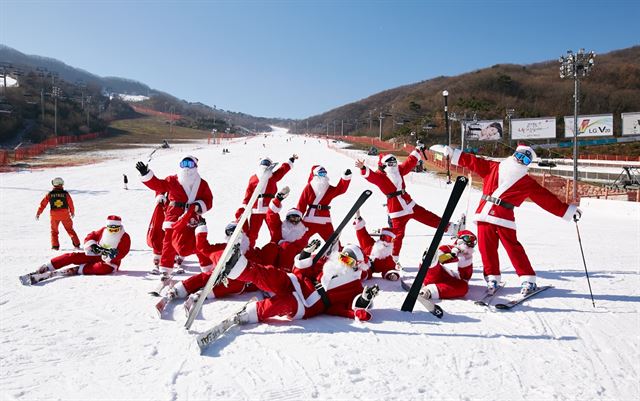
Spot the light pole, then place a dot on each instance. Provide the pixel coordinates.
(576, 66)
(510, 113)
(380, 118)
(56, 92)
(445, 94)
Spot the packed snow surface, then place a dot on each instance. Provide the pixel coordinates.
(98, 338)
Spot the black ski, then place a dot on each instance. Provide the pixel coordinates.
(333, 239)
(487, 298)
(429, 305)
(521, 298)
(427, 257)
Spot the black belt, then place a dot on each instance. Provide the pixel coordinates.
(267, 196)
(320, 207)
(183, 205)
(397, 193)
(498, 201)
(323, 294)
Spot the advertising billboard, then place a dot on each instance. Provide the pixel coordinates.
(596, 125)
(533, 128)
(630, 123)
(487, 130)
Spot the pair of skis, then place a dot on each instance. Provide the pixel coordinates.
(520, 298)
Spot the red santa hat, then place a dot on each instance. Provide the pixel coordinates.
(294, 212)
(384, 157)
(314, 171)
(387, 232)
(114, 220)
(523, 148)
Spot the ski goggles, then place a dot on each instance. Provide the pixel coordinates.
(391, 162)
(113, 228)
(386, 238)
(523, 157)
(294, 218)
(322, 172)
(347, 260)
(468, 239)
(188, 163)
(265, 162)
(229, 229)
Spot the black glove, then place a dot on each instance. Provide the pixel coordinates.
(142, 168)
(95, 248)
(347, 171)
(366, 298)
(283, 193)
(198, 208)
(110, 253)
(420, 146)
(202, 222)
(310, 248)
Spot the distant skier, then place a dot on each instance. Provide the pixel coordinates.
(444, 279)
(104, 250)
(183, 189)
(126, 181)
(506, 185)
(316, 197)
(61, 211)
(269, 191)
(332, 286)
(379, 251)
(389, 178)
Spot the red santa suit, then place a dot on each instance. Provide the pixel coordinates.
(295, 294)
(183, 189)
(259, 210)
(91, 263)
(400, 206)
(287, 238)
(184, 239)
(155, 233)
(315, 202)
(506, 184)
(379, 252)
(444, 280)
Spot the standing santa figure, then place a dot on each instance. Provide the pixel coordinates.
(506, 185)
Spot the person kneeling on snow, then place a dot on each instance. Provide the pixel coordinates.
(380, 251)
(446, 280)
(332, 286)
(104, 250)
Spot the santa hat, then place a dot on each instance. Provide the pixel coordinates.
(388, 233)
(522, 148)
(294, 212)
(114, 220)
(383, 158)
(355, 252)
(314, 171)
(195, 159)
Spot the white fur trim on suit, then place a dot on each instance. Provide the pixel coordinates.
(302, 263)
(433, 289)
(387, 233)
(87, 248)
(274, 208)
(416, 154)
(455, 159)
(531, 279)
(490, 277)
(114, 223)
(495, 220)
(165, 269)
(238, 268)
(167, 225)
(203, 207)
(147, 176)
(346, 177)
(161, 198)
(252, 311)
(287, 162)
(81, 269)
(181, 292)
(407, 208)
(358, 224)
(201, 229)
(571, 210)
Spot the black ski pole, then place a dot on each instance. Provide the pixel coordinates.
(585, 264)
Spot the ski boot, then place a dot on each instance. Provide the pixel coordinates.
(492, 286)
(528, 287)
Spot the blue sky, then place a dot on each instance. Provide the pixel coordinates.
(300, 58)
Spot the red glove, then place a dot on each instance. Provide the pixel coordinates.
(362, 315)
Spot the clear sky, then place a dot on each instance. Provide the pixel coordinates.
(300, 58)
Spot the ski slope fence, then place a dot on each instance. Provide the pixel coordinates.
(24, 152)
(562, 187)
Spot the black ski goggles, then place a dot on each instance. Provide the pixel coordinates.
(294, 218)
(265, 162)
(391, 162)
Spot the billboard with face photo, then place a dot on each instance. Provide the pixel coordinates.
(488, 130)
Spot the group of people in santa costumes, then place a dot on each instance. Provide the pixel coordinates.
(285, 267)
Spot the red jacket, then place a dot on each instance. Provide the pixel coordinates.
(287, 250)
(96, 237)
(400, 205)
(366, 241)
(176, 193)
(309, 197)
(514, 191)
(268, 192)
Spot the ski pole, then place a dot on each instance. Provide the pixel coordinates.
(585, 265)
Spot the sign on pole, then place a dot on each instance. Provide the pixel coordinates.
(595, 125)
(533, 128)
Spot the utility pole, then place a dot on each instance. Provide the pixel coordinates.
(342, 128)
(380, 118)
(370, 120)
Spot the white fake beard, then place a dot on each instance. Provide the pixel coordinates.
(334, 268)
(111, 240)
(320, 185)
(187, 177)
(380, 250)
(511, 171)
(244, 242)
(292, 232)
(260, 170)
(394, 175)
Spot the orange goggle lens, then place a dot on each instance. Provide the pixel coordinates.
(347, 260)
(113, 229)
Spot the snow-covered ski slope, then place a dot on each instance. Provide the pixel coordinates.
(98, 338)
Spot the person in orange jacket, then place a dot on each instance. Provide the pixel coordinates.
(62, 211)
